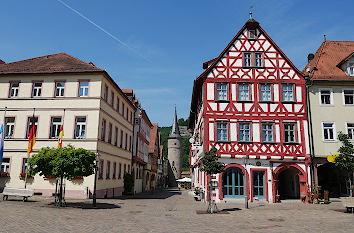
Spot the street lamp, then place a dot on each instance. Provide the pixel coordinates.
(95, 181)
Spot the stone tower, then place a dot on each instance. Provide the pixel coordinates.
(174, 146)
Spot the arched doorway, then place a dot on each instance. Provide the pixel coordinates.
(289, 185)
(233, 183)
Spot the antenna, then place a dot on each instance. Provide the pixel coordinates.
(251, 7)
(324, 36)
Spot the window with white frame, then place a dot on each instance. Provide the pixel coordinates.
(222, 131)
(348, 97)
(55, 127)
(266, 92)
(29, 125)
(37, 89)
(244, 132)
(325, 97)
(24, 165)
(80, 127)
(103, 130)
(328, 132)
(14, 87)
(83, 89)
(267, 132)
(9, 127)
(259, 59)
(351, 69)
(5, 165)
(59, 89)
(247, 59)
(252, 34)
(244, 92)
(350, 130)
(288, 92)
(289, 133)
(221, 91)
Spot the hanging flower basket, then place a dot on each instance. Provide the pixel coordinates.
(4, 174)
(23, 175)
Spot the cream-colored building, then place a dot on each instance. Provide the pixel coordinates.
(331, 109)
(60, 89)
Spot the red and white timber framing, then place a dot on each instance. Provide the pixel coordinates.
(272, 158)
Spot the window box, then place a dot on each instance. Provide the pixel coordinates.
(4, 174)
(23, 175)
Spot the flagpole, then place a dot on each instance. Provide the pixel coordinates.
(60, 140)
(3, 137)
(29, 154)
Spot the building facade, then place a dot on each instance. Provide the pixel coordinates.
(249, 103)
(330, 83)
(60, 90)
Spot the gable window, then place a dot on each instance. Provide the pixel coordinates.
(9, 127)
(29, 125)
(5, 165)
(103, 130)
(266, 92)
(14, 87)
(258, 60)
(247, 59)
(251, 34)
(348, 97)
(328, 131)
(221, 91)
(288, 92)
(110, 133)
(80, 127)
(350, 129)
(289, 133)
(59, 89)
(37, 89)
(222, 131)
(351, 69)
(55, 127)
(325, 97)
(83, 89)
(244, 132)
(244, 92)
(267, 132)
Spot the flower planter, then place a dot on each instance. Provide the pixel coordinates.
(23, 176)
(4, 174)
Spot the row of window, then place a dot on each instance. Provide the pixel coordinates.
(266, 92)
(326, 97)
(59, 90)
(127, 146)
(114, 170)
(5, 165)
(329, 131)
(267, 132)
(124, 111)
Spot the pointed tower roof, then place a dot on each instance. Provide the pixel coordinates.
(175, 129)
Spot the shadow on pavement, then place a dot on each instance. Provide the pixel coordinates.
(231, 209)
(157, 194)
(85, 205)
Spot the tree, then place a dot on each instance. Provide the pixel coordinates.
(64, 163)
(211, 166)
(345, 159)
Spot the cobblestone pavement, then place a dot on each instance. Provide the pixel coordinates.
(169, 211)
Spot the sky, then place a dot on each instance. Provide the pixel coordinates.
(157, 47)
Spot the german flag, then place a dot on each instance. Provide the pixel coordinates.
(32, 137)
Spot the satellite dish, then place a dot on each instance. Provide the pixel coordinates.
(191, 140)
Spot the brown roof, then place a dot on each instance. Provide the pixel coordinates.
(325, 65)
(55, 63)
(153, 137)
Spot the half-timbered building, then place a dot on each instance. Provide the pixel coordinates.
(249, 103)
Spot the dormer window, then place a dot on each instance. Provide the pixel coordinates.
(252, 34)
(351, 69)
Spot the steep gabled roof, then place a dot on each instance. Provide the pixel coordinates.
(198, 82)
(328, 59)
(175, 129)
(55, 63)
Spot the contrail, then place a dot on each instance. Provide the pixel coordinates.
(102, 29)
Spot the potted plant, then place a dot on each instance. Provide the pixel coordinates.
(197, 192)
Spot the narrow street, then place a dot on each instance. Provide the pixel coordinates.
(170, 211)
